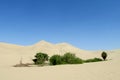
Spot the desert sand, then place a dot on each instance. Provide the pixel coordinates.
(11, 54)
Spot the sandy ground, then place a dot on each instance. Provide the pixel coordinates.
(106, 70)
(109, 70)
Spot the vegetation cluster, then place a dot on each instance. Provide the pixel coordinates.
(42, 59)
(67, 58)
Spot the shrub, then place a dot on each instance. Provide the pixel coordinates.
(40, 58)
(76, 61)
(55, 60)
(93, 60)
(104, 55)
(70, 58)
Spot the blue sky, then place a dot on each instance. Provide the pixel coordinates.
(86, 24)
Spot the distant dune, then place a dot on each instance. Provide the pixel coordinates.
(11, 54)
(15, 52)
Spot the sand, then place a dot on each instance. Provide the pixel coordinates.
(11, 54)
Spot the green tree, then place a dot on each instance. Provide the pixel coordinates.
(40, 58)
(104, 55)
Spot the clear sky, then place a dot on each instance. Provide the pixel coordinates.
(86, 24)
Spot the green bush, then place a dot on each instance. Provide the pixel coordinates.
(70, 58)
(76, 61)
(67, 58)
(104, 55)
(93, 60)
(55, 60)
(40, 58)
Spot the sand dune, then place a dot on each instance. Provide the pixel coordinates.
(11, 54)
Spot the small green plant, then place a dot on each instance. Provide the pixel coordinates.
(104, 55)
(92, 60)
(40, 58)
